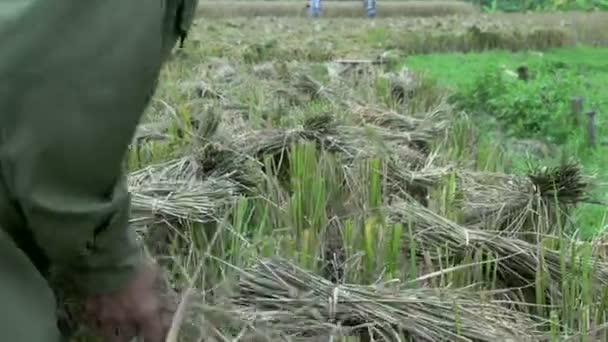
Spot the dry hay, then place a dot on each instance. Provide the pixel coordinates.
(421, 128)
(414, 180)
(432, 123)
(403, 85)
(351, 141)
(519, 204)
(194, 187)
(279, 299)
(516, 261)
(169, 198)
(336, 82)
(219, 154)
(174, 191)
(409, 169)
(224, 163)
(403, 173)
(313, 88)
(302, 87)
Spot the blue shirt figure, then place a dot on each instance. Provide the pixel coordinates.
(370, 8)
(315, 8)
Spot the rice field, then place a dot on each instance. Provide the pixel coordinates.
(299, 182)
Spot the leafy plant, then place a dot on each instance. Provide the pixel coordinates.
(539, 5)
(538, 108)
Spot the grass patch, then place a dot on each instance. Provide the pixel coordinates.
(539, 109)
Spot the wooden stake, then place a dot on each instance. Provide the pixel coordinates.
(576, 105)
(591, 128)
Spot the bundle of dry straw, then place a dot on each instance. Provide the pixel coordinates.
(197, 186)
(517, 262)
(352, 142)
(421, 127)
(276, 295)
(175, 191)
(522, 203)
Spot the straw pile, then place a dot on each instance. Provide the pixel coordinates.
(519, 204)
(351, 142)
(517, 261)
(196, 187)
(276, 295)
(174, 191)
(425, 125)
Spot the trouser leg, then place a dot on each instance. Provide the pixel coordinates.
(27, 304)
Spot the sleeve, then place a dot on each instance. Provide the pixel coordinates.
(185, 17)
(178, 20)
(81, 74)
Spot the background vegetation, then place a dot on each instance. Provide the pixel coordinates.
(537, 115)
(540, 5)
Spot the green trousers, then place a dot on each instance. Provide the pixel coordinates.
(28, 306)
(75, 78)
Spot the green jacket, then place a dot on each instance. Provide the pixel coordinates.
(75, 78)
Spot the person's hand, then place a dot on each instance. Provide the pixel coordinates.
(138, 310)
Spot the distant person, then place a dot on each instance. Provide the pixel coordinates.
(75, 78)
(315, 8)
(370, 8)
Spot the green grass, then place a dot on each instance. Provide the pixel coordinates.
(590, 65)
(458, 69)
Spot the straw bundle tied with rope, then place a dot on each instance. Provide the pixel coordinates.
(402, 174)
(185, 201)
(176, 191)
(297, 86)
(516, 261)
(314, 89)
(351, 142)
(276, 295)
(428, 125)
(522, 203)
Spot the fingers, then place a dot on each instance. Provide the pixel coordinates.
(118, 332)
(153, 327)
(113, 324)
(115, 331)
(138, 310)
(109, 319)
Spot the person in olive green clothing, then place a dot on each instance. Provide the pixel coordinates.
(75, 78)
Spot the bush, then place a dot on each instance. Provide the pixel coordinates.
(538, 108)
(539, 5)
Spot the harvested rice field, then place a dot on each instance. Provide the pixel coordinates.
(317, 180)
